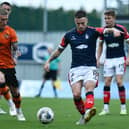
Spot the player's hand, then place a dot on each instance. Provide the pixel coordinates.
(115, 31)
(15, 61)
(18, 53)
(46, 66)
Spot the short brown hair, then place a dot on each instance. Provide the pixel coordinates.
(80, 14)
(110, 13)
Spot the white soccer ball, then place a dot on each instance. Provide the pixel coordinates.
(45, 115)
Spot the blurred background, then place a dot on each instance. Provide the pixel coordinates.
(40, 23)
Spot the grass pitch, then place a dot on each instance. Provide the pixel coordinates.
(65, 115)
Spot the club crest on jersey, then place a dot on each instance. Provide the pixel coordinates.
(6, 36)
(73, 38)
(86, 36)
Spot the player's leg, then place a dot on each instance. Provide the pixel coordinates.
(1, 110)
(2, 85)
(13, 85)
(76, 86)
(90, 82)
(3, 89)
(7, 95)
(120, 70)
(122, 95)
(106, 96)
(78, 101)
(108, 74)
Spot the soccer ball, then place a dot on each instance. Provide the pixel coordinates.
(45, 115)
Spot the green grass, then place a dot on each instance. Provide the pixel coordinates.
(65, 115)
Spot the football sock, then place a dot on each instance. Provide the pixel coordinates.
(122, 94)
(17, 100)
(123, 107)
(79, 105)
(106, 107)
(106, 94)
(89, 103)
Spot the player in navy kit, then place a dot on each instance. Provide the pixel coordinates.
(114, 63)
(83, 72)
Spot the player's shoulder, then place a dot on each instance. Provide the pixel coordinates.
(120, 27)
(9, 28)
(96, 30)
(73, 30)
(70, 32)
(91, 28)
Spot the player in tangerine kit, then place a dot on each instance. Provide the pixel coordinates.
(6, 93)
(8, 60)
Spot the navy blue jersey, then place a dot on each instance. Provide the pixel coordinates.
(83, 46)
(115, 45)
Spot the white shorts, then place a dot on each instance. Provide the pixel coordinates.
(84, 73)
(115, 66)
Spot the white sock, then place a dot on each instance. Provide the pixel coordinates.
(106, 107)
(10, 102)
(123, 107)
(18, 110)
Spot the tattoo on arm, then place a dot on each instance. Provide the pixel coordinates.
(14, 48)
(55, 54)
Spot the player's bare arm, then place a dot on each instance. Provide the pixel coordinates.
(99, 52)
(15, 52)
(115, 31)
(53, 56)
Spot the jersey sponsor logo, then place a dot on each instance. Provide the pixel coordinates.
(83, 46)
(112, 45)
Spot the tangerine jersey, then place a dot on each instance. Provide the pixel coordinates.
(7, 38)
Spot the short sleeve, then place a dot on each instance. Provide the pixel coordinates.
(14, 37)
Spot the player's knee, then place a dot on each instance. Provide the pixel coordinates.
(107, 82)
(119, 83)
(77, 95)
(15, 94)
